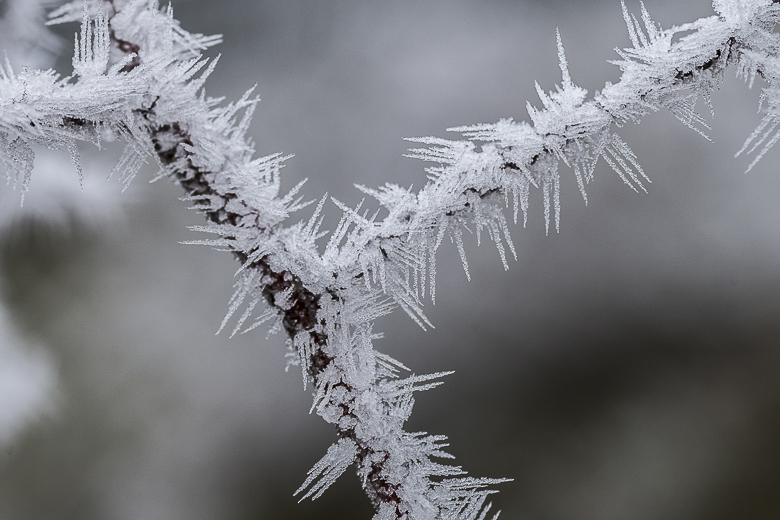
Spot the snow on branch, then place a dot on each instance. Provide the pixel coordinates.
(138, 76)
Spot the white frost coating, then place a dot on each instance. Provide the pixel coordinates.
(149, 92)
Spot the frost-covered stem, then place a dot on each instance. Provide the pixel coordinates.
(172, 143)
(299, 319)
(173, 146)
(326, 302)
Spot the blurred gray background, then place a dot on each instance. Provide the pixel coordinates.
(625, 368)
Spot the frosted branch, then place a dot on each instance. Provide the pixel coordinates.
(139, 76)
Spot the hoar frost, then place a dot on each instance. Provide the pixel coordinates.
(138, 76)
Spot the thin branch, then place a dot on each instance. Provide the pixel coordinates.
(149, 92)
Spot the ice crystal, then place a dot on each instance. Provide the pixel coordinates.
(139, 76)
